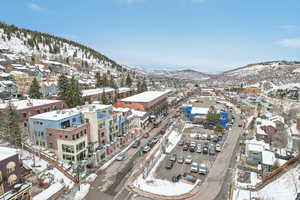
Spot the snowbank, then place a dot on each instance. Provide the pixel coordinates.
(84, 189)
(285, 187)
(173, 139)
(49, 192)
(28, 162)
(91, 178)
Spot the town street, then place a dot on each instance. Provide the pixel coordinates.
(108, 184)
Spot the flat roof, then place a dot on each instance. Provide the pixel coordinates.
(199, 110)
(96, 91)
(23, 104)
(145, 97)
(57, 114)
(6, 152)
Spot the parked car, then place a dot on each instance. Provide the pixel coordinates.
(194, 167)
(188, 159)
(202, 169)
(215, 139)
(199, 148)
(208, 137)
(204, 136)
(155, 139)
(181, 143)
(180, 159)
(120, 156)
(192, 148)
(185, 147)
(218, 148)
(173, 157)
(146, 149)
(169, 164)
(205, 149)
(136, 144)
(212, 150)
(193, 144)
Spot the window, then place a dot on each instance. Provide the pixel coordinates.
(68, 148)
(68, 157)
(42, 134)
(50, 145)
(73, 137)
(80, 146)
(74, 120)
(1, 189)
(38, 111)
(25, 124)
(84, 131)
(50, 134)
(11, 166)
(66, 136)
(24, 115)
(77, 135)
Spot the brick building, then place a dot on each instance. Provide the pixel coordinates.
(152, 102)
(31, 107)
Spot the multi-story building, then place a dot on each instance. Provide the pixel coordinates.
(65, 132)
(91, 95)
(152, 102)
(31, 107)
(11, 185)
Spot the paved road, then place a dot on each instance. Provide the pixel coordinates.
(214, 181)
(107, 185)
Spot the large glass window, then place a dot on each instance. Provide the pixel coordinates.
(68, 148)
(65, 124)
(68, 157)
(80, 146)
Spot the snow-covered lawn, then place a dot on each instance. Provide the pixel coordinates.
(49, 192)
(283, 188)
(163, 187)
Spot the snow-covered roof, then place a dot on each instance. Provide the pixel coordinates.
(6, 152)
(124, 89)
(138, 113)
(268, 158)
(93, 107)
(23, 104)
(4, 75)
(96, 91)
(199, 110)
(120, 109)
(256, 145)
(57, 114)
(145, 97)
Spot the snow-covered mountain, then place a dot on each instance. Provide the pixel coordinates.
(186, 74)
(23, 42)
(270, 75)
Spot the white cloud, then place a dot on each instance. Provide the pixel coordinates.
(289, 28)
(35, 7)
(290, 43)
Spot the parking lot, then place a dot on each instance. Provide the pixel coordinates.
(200, 158)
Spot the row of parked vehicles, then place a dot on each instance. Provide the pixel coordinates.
(195, 167)
(151, 144)
(206, 147)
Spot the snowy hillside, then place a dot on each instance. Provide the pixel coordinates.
(24, 42)
(269, 75)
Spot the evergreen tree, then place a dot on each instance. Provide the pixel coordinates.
(74, 96)
(112, 82)
(212, 116)
(103, 97)
(98, 80)
(144, 86)
(63, 87)
(104, 81)
(138, 85)
(34, 90)
(10, 125)
(128, 80)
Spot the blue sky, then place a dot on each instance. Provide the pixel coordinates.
(207, 35)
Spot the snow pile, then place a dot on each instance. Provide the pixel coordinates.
(49, 192)
(173, 139)
(84, 189)
(91, 178)
(285, 187)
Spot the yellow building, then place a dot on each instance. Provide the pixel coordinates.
(253, 90)
(23, 81)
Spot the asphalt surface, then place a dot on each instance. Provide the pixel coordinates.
(102, 189)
